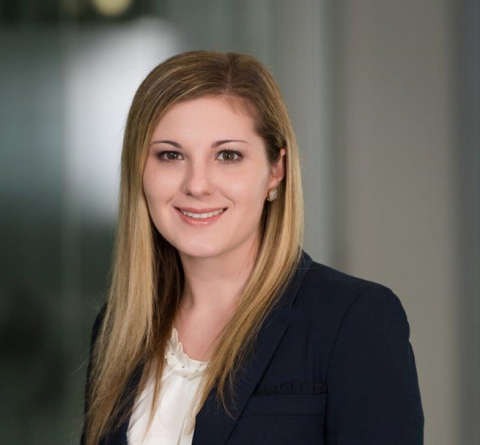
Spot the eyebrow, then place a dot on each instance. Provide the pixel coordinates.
(214, 145)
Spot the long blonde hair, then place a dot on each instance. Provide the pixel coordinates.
(147, 277)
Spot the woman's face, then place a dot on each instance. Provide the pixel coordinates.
(205, 155)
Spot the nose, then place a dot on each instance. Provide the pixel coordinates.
(198, 179)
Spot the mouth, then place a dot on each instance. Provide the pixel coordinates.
(201, 218)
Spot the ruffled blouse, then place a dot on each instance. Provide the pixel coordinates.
(180, 379)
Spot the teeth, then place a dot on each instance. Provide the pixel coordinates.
(202, 215)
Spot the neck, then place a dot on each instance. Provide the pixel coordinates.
(213, 285)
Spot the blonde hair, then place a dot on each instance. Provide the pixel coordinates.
(147, 276)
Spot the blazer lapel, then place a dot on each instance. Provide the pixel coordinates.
(213, 426)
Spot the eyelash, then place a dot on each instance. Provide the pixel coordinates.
(167, 161)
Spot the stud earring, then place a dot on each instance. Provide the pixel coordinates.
(272, 194)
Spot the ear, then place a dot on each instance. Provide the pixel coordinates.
(278, 170)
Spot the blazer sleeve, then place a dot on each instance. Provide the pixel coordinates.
(373, 389)
(95, 329)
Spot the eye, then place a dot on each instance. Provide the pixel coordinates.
(160, 156)
(231, 156)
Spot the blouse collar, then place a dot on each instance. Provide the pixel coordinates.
(179, 362)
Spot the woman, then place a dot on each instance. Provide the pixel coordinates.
(259, 343)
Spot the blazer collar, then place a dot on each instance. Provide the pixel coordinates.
(213, 426)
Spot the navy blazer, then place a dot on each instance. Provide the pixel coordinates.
(333, 365)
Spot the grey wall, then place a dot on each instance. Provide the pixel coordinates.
(467, 60)
(406, 204)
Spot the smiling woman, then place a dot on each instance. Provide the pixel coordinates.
(213, 300)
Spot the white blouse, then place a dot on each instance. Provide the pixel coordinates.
(180, 379)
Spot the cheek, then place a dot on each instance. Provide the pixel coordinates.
(149, 184)
(247, 192)
(155, 184)
(155, 192)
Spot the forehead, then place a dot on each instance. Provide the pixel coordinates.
(208, 112)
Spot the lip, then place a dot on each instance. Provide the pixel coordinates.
(207, 210)
(199, 222)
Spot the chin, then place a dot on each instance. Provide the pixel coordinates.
(199, 251)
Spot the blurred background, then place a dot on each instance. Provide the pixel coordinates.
(384, 98)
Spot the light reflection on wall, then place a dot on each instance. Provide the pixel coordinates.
(104, 68)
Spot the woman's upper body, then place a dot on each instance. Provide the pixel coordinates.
(333, 365)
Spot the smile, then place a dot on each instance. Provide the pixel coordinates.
(200, 219)
(202, 215)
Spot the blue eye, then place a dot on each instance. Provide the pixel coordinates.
(231, 153)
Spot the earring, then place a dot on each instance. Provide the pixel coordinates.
(272, 194)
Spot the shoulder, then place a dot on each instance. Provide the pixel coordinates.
(352, 318)
(329, 295)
